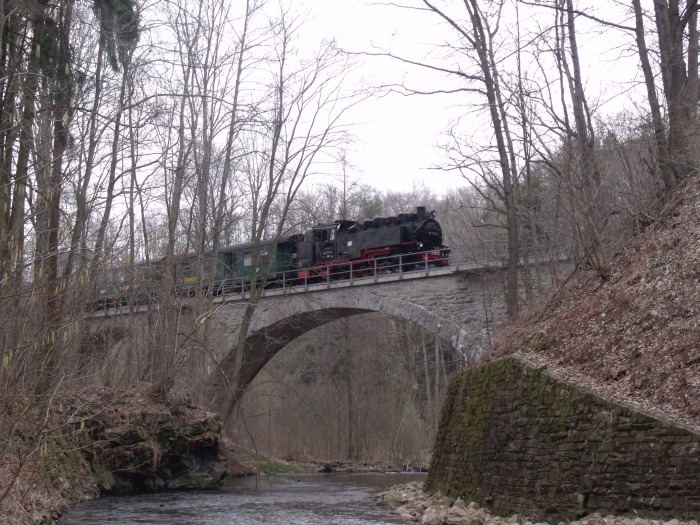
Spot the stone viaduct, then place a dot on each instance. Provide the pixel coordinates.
(461, 304)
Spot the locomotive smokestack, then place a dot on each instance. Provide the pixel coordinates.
(420, 212)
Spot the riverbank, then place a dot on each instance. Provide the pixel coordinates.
(411, 504)
(99, 440)
(103, 440)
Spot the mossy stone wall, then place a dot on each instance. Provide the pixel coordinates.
(518, 440)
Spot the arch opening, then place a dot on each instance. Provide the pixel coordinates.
(263, 344)
(363, 388)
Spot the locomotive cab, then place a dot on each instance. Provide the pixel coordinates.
(319, 245)
(324, 240)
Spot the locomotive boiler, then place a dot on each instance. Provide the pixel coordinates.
(395, 243)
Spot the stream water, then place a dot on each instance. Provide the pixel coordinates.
(303, 499)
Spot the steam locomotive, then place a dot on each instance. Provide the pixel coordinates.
(327, 252)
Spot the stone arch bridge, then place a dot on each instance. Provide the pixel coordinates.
(459, 306)
(460, 303)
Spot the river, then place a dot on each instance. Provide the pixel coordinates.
(303, 499)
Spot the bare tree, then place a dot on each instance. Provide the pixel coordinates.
(303, 121)
(473, 33)
(584, 175)
(679, 77)
(667, 172)
(676, 39)
(247, 42)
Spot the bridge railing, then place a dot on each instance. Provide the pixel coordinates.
(377, 267)
(420, 264)
(495, 255)
(464, 257)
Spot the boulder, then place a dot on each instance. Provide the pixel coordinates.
(136, 445)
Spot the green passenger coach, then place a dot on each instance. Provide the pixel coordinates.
(233, 268)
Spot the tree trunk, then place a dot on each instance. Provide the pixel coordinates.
(505, 151)
(680, 91)
(12, 235)
(426, 374)
(112, 180)
(81, 211)
(353, 450)
(667, 172)
(60, 113)
(582, 173)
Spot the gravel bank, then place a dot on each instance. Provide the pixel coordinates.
(413, 505)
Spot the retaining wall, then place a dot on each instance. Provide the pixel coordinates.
(516, 439)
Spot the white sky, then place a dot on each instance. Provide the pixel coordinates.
(398, 138)
(397, 135)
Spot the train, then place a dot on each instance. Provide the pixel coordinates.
(343, 249)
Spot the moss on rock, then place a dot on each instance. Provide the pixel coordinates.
(514, 437)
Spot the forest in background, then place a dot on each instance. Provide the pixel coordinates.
(134, 130)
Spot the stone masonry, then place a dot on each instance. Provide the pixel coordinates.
(463, 307)
(460, 307)
(517, 439)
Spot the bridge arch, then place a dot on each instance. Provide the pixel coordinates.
(442, 306)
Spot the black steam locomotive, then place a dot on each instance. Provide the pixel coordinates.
(399, 243)
(326, 252)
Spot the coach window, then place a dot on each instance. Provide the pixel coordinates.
(248, 259)
(209, 264)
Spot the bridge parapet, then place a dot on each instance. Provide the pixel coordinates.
(461, 259)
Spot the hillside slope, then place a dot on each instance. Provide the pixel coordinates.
(635, 337)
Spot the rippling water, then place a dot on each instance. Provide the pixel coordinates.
(304, 499)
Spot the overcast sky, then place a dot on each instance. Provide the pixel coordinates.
(398, 136)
